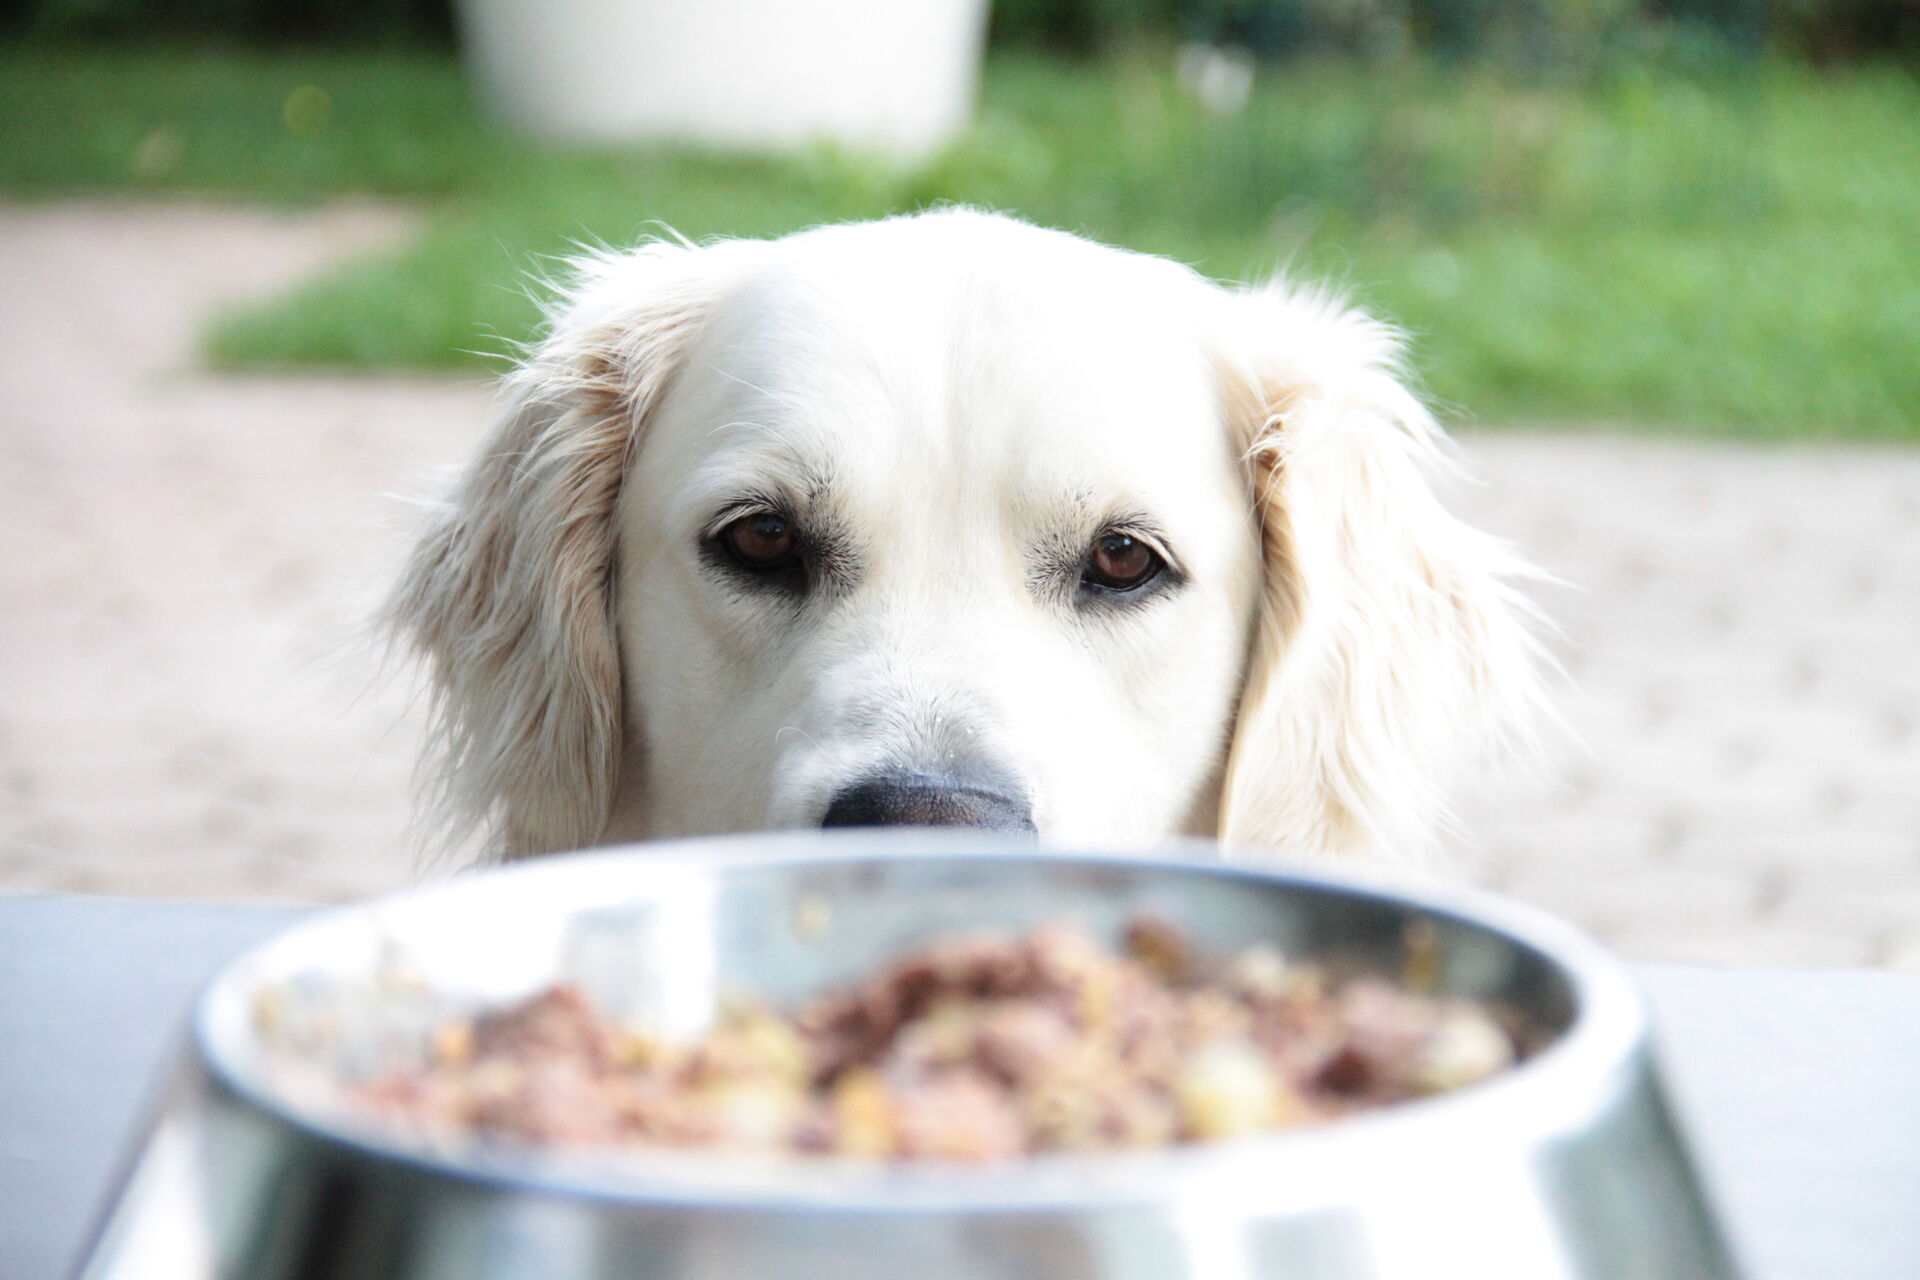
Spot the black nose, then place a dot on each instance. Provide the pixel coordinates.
(916, 800)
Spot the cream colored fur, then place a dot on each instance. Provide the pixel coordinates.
(950, 392)
(1393, 657)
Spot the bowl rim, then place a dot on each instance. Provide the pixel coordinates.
(1552, 1092)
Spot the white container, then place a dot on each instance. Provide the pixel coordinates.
(889, 75)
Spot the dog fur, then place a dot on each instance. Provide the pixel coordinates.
(950, 407)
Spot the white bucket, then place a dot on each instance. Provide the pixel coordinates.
(890, 75)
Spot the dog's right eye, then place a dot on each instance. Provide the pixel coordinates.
(761, 543)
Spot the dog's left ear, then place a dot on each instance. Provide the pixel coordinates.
(1391, 649)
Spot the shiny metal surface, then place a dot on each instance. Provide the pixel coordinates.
(1567, 1168)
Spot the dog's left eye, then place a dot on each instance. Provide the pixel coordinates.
(1121, 562)
(761, 543)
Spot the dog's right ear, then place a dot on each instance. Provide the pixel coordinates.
(506, 594)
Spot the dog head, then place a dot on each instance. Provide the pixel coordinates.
(953, 520)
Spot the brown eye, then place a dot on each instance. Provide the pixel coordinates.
(1121, 562)
(761, 542)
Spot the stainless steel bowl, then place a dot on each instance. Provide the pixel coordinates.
(1568, 1167)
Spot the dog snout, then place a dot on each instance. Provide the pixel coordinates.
(918, 800)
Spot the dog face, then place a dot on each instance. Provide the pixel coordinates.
(935, 526)
(953, 520)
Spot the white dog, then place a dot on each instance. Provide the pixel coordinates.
(949, 519)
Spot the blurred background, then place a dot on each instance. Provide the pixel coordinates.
(1659, 259)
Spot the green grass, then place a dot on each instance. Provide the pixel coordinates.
(1697, 252)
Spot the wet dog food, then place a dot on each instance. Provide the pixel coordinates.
(977, 1048)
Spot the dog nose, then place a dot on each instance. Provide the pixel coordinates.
(915, 800)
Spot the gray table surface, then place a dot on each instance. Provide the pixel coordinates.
(1801, 1089)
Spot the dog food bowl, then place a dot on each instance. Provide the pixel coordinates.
(1565, 1167)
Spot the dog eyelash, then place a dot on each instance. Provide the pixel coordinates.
(1153, 540)
(1145, 532)
(740, 508)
